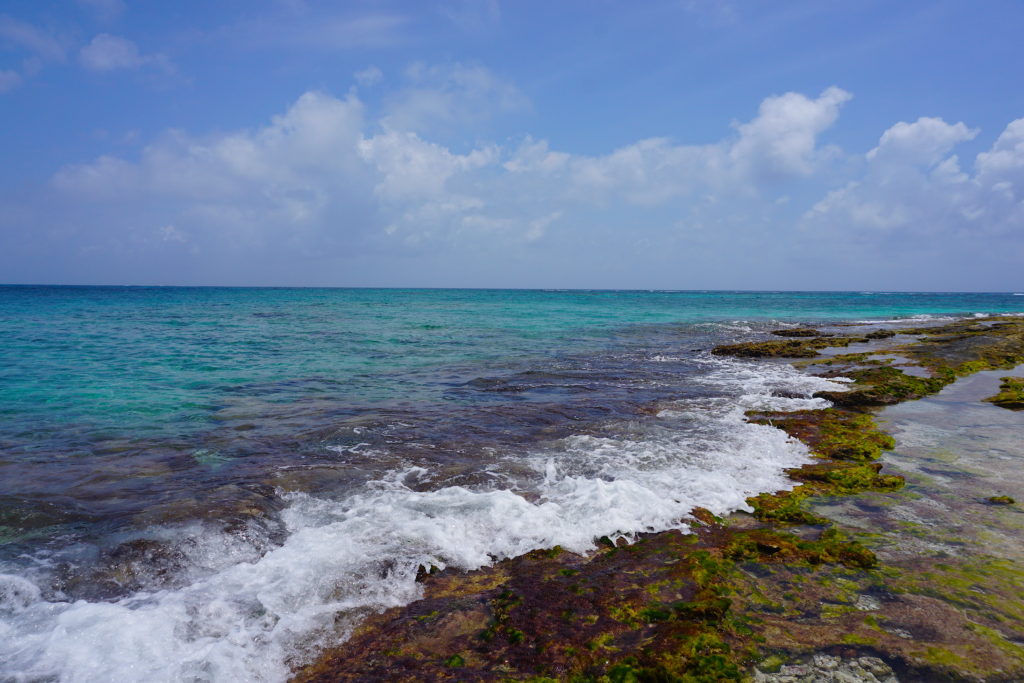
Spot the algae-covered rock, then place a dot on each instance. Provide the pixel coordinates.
(1011, 394)
(711, 605)
(884, 385)
(831, 433)
(789, 348)
(964, 347)
(800, 332)
(1001, 500)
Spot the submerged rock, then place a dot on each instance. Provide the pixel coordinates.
(710, 606)
(826, 668)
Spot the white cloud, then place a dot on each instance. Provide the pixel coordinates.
(926, 141)
(324, 179)
(780, 143)
(288, 182)
(782, 140)
(535, 156)
(110, 53)
(913, 185)
(317, 172)
(413, 168)
(1005, 161)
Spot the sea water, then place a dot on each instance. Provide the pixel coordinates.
(210, 484)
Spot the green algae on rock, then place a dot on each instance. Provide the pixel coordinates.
(883, 385)
(784, 581)
(831, 433)
(964, 347)
(789, 348)
(1011, 394)
(800, 332)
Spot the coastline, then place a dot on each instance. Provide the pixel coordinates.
(784, 593)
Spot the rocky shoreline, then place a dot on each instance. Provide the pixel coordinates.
(787, 593)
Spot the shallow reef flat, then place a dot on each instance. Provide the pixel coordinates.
(1011, 394)
(895, 557)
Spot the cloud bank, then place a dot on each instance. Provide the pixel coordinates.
(361, 196)
(913, 185)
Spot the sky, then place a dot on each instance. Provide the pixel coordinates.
(651, 144)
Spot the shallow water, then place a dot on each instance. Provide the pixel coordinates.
(203, 484)
(956, 451)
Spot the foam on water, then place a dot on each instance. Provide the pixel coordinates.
(916, 318)
(252, 617)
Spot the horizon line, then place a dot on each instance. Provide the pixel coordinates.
(514, 289)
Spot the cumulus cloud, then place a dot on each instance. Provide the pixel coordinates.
(324, 177)
(782, 140)
(321, 172)
(411, 168)
(780, 143)
(110, 53)
(914, 185)
(1005, 161)
(291, 183)
(923, 142)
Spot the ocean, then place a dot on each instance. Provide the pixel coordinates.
(208, 484)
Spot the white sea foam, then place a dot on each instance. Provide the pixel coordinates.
(923, 317)
(933, 318)
(250, 618)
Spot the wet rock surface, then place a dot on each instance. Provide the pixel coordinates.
(825, 668)
(1011, 394)
(863, 572)
(800, 332)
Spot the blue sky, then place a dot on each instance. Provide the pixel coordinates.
(683, 144)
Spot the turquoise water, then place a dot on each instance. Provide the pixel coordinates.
(163, 358)
(269, 450)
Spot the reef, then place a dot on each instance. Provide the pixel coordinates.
(789, 348)
(1011, 394)
(782, 593)
(800, 332)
